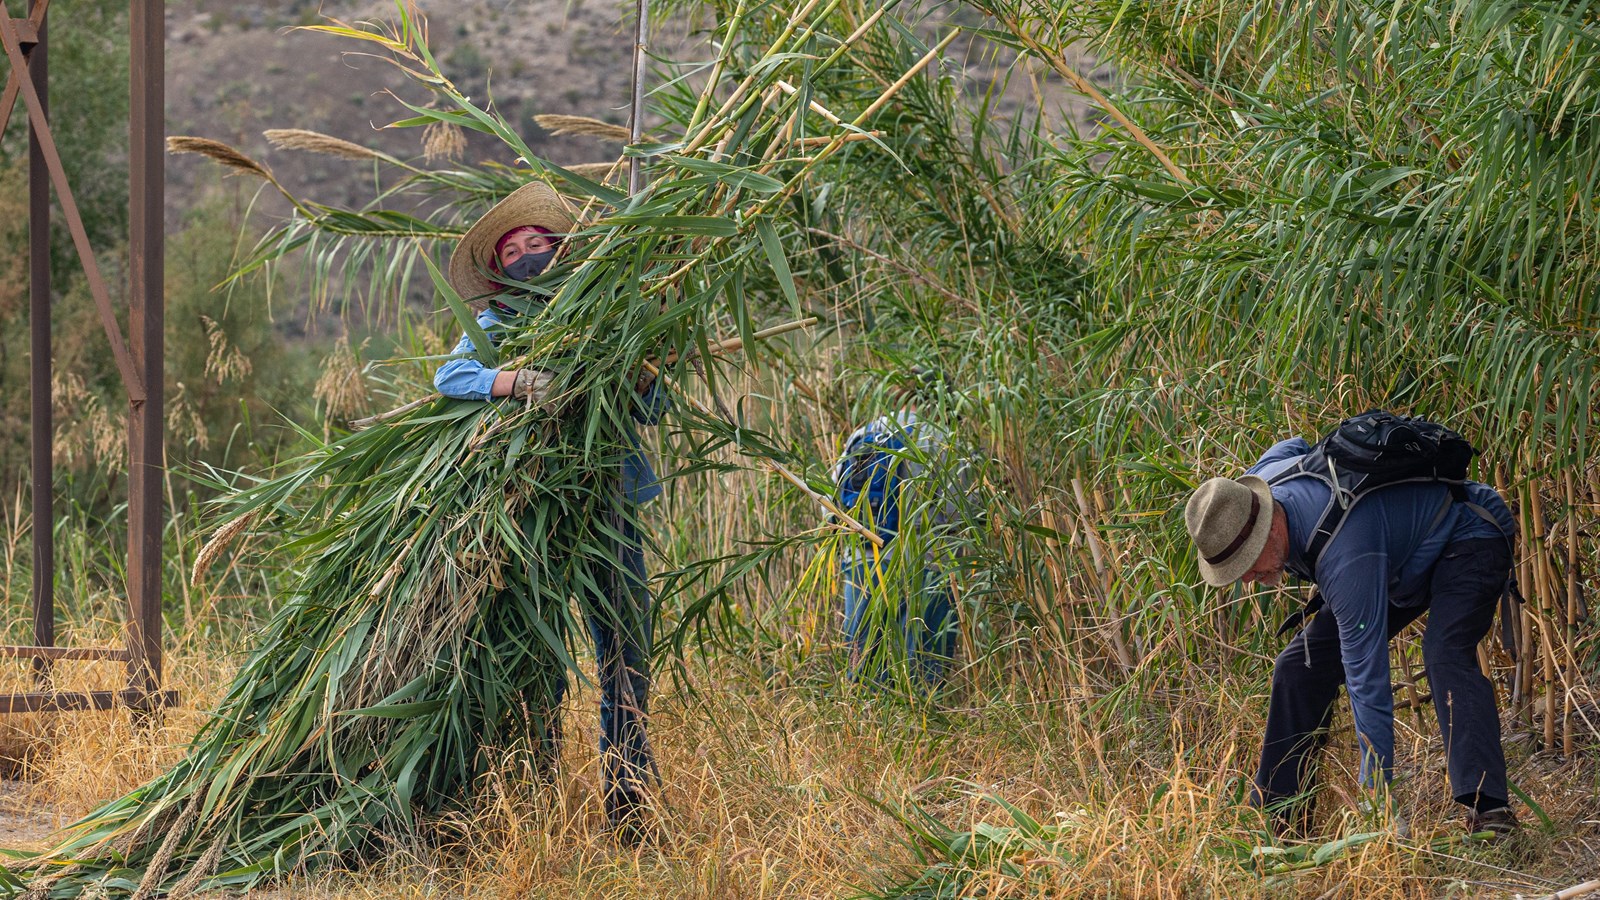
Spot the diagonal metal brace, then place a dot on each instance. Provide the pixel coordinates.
(28, 35)
(10, 40)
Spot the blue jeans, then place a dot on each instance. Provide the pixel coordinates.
(927, 639)
(618, 618)
(620, 627)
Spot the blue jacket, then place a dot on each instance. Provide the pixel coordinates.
(1385, 553)
(910, 456)
(464, 378)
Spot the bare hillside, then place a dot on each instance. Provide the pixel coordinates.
(234, 71)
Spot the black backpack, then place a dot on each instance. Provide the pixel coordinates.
(1375, 450)
(1371, 451)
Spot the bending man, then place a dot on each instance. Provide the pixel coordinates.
(1403, 550)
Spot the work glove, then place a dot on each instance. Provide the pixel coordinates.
(534, 387)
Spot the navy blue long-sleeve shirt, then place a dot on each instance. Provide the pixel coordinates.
(463, 377)
(1385, 553)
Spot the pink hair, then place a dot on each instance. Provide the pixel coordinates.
(500, 244)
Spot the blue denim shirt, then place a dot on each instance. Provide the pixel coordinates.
(1384, 554)
(464, 378)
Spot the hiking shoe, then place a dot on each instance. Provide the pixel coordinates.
(1497, 822)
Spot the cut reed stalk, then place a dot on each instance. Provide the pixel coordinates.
(1576, 891)
(1569, 634)
(1540, 553)
(726, 345)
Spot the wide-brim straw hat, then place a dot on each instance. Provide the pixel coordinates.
(1229, 520)
(535, 203)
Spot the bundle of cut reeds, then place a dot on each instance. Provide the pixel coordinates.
(375, 694)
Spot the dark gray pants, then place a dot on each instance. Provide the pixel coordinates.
(1463, 593)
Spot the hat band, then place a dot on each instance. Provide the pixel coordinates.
(1244, 534)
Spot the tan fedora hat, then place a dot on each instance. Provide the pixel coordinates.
(1229, 520)
(535, 203)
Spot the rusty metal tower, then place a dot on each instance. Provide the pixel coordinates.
(139, 358)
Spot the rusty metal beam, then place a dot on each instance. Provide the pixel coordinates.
(147, 308)
(57, 701)
(43, 428)
(30, 30)
(113, 653)
(141, 364)
(131, 381)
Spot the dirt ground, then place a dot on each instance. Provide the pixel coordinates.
(24, 823)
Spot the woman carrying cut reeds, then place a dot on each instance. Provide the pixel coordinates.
(517, 241)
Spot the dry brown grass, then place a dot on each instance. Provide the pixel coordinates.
(68, 763)
(771, 790)
(774, 771)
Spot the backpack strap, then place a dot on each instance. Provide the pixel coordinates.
(1483, 514)
(1332, 517)
(1303, 614)
(1444, 510)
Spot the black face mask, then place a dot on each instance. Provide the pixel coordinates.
(529, 265)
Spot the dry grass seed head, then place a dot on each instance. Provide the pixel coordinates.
(342, 387)
(219, 152)
(443, 140)
(317, 142)
(225, 361)
(583, 125)
(183, 419)
(89, 435)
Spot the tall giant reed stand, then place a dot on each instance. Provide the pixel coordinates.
(401, 663)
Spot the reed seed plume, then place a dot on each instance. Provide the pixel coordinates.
(225, 362)
(89, 431)
(317, 142)
(184, 421)
(443, 141)
(342, 387)
(200, 872)
(235, 161)
(561, 125)
(219, 543)
(218, 152)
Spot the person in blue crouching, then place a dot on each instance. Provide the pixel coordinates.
(519, 239)
(897, 600)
